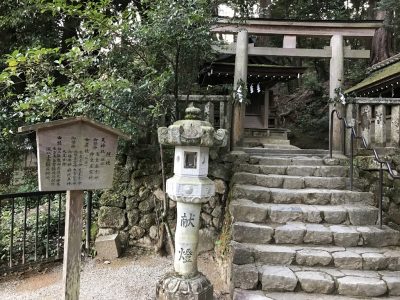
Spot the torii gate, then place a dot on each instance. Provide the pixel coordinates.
(335, 30)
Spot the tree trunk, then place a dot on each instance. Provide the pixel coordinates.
(382, 40)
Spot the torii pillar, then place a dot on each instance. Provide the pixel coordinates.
(239, 109)
(336, 81)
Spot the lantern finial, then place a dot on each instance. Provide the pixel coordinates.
(192, 112)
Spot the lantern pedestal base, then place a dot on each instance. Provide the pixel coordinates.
(174, 287)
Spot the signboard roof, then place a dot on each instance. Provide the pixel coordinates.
(70, 121)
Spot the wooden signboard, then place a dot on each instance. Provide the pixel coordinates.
(74, 154)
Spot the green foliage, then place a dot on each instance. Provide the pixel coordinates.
(119, 66)
(311, 82)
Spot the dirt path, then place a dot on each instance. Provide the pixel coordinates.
(131, 277)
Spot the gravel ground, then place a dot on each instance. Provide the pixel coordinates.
(131, 277)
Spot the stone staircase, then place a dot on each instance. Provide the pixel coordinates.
(299, 233)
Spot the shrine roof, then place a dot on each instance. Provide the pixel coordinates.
(382, 76)
(259, 69)
(69, 121)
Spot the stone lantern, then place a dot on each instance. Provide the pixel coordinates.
(189, 187)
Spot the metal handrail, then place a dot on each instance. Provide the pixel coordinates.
(364, 142)
(23, 200)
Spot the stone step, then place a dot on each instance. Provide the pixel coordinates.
(290, 278)
(315, 234)
(354, 258)
(268, 150)
(287, 161)
(324, 196)
(297, 182)
(244, 210)
(240, 294)
(317, 171)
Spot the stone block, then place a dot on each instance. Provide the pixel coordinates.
(245, 276)
(252, 233)
(112, 217)
(316, 197)
(376, 237)
(147, 221)
(248, 211)
(334, 215)
(289, 234)
(146, 206)
(311, 257)
(374, 261)
(133, 217)
(277, 170)
(325, 183)
(217, 211)
(316, 282)
(207, 239)
(317, 234)
(137, 232)
(220, 186)
(272, 254)
(111, 198)
(108, 246)
(393, 258)
(300, 170)
(313, 215)
(220, 171)
(278, 278)
(271, 181)
(283, 196)
(345, 236)
(241, 255)
(331, 171)
(361, 286)
(393, 284)
(347, 260)
(254, 193)
(362, 215)
(255, 169)
(244, 178)
(284, 213)
(293, 183)
(153, 232)
(249, 295)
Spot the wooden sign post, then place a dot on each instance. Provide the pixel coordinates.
(75, 155)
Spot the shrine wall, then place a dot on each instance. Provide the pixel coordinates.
(133, 206)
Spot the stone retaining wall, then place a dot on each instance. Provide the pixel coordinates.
(133, 206)
(391, 188)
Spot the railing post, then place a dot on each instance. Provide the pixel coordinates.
(395, 126)
(12, 231)
(222, 115)
(351, 160)
(88, 220)
(380, 125)
(380, 194)
(366, 117)
(332, 120)
(351, 121)
(209, 112)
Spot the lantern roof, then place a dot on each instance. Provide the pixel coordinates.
(192, 132)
